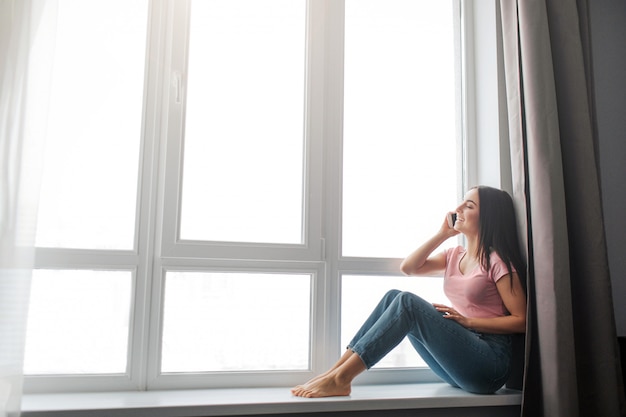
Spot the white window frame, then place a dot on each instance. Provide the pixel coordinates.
(158, 249)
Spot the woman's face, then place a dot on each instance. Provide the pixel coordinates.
(467, 213)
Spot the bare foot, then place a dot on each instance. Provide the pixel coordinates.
(344, 358)
(299, 388)
(327, 385)
(335, 382)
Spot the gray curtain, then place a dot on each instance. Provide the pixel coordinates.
(572, 356)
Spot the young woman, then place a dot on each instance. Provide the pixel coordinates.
(467, 344)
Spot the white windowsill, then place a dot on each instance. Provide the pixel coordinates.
(213, 402)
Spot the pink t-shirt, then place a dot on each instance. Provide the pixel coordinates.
(474, 294)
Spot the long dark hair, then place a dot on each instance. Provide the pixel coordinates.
(498, 231)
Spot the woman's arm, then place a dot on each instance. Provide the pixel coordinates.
(514, 301)
(419, 262)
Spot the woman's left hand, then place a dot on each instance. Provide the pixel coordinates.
(452, 314)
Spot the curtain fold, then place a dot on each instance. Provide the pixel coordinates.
(571, 347)
(20, 172)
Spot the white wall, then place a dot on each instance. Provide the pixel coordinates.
(608, 27)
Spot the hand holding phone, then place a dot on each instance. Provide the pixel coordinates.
(451, 219)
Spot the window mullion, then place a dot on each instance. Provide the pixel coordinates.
(148, 208)
(333, 44)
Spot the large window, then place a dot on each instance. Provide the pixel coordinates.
(399, 124)
(84, 298)
(244, 122)
(93, 133)
(230, 186)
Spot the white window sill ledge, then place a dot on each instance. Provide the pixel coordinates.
(232, 402)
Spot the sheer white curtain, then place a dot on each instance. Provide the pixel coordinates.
(24, 68)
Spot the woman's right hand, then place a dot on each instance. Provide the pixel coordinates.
(445, 228)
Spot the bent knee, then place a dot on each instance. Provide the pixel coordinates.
(391, 294)
(409, 297)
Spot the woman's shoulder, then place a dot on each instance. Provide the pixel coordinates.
(495, 258)
(455, 251)
(498, 266)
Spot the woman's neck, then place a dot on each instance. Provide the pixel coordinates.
(472, 246)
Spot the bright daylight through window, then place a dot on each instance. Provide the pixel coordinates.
(221, 174)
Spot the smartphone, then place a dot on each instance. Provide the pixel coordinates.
(451, 219)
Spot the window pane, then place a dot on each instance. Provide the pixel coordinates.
(235, 322)
(78, 322)
(243, 160)
(88, 196)
(360, 294)
(400, 174)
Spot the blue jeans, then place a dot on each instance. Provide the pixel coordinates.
(472, 361)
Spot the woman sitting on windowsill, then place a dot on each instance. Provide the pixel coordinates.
(467, 344)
